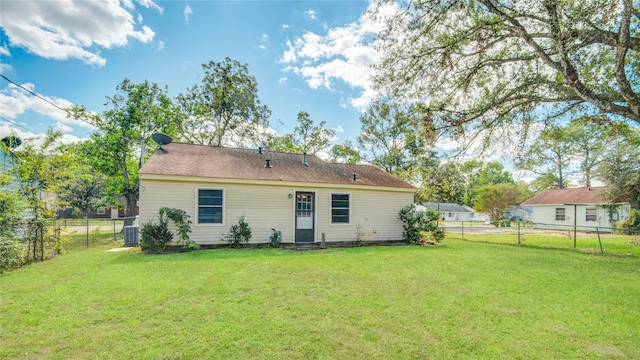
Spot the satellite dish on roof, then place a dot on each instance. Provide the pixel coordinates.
(12, 142)
(161, 139)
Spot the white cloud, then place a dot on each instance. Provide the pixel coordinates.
(76, 30)
(187, 12)
(285, 26)
(4, 51)
(311, 14)
(62, 128)
(338, 129)
(15, 102)
(150, 4)
(35, 139)
(5, 68)
(160, 45)
(340, 55)
(282, 80)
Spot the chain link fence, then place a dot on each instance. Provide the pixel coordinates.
(44, 239)
(596, 239)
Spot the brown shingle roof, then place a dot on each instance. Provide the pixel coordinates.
(232, 163)
(570, 196)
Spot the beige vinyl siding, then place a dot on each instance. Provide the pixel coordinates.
(373, 213)
(263, 208)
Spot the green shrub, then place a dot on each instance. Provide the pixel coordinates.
(276, 238)
(183, 223)
(632, 224)
(415, 223)
(10, 253)
(154, 237)
(10, 247)
(239, 234)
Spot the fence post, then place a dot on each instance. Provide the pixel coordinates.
(599, 241)
(87, 218)
(518, 232)
(42, 241)
(463, 230)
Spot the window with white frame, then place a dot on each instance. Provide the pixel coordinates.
(340, 208)
(101, 211)
(560, 214)
(210, 204)
(591, 214)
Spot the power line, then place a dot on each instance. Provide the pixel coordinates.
(43, 99)
(12, 122)
(34, 94)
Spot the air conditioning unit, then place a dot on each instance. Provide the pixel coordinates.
(131, 234)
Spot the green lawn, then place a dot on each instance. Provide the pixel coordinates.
(458, 300)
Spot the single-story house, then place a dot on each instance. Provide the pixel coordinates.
(105, 212)
(304, 197)
(450, 212)
(524, 213)
(564, 209)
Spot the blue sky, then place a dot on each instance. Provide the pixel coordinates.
(305, 55)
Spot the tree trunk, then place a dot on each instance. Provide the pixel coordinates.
(130, 209)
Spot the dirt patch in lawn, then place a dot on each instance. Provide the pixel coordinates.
(119, 249)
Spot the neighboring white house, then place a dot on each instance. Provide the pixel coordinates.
(302, 196)
(450, 212)
(563, 209)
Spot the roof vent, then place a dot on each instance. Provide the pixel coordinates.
(267, 163)
(304, 158)
(354, 176)
(260, 150)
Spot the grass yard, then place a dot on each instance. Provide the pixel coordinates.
(458, 300)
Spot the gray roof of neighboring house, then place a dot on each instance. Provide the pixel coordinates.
(234, 163)
(446, 207)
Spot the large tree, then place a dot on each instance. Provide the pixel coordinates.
(83, 191)
(345, 153)
(441, 181)
(591, 136)
(481, 64)
(307, 137)
(552, 155)
(389, 138)
(123, 140)
(620, 168)
(477, 174)
(224, 107)
(496, 199)
(39, 168)
(312, 138)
